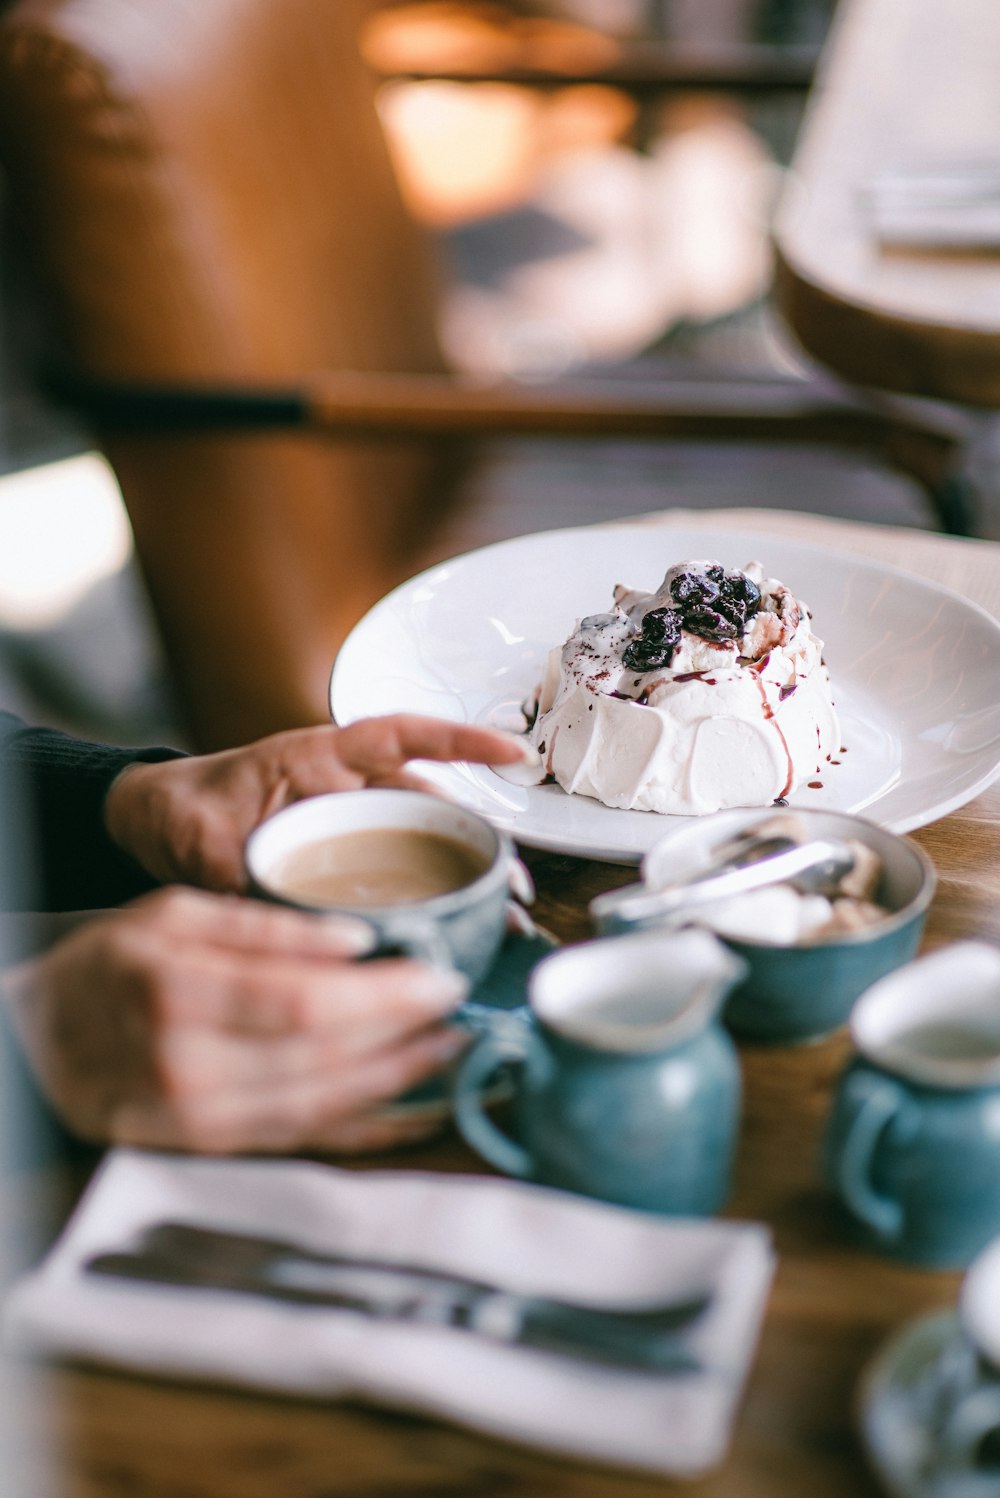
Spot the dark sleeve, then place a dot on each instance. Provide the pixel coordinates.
(64, 782)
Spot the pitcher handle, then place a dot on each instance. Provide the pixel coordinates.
(880, 1101)
(473, 1123)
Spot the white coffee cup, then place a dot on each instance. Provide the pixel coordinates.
(460, 927)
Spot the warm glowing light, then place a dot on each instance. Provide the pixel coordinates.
(62, 528)
(460, 150)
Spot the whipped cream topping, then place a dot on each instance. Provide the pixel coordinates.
(782, 916)
(709, 693)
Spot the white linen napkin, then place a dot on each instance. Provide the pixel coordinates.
(522, 1237)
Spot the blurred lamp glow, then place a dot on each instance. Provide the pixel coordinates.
(63, 527)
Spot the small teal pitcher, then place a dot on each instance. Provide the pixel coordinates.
(627, 1086)
(913, 1142)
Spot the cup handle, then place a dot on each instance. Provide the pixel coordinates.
(473, 1123)
(877, 1102)
(521, 891)
(522, 886)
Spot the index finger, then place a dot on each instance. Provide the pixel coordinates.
(378, 747)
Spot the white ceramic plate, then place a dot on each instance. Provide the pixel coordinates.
(915, 670)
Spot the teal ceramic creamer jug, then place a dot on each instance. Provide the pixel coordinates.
(627, 1086)
(913, 1141)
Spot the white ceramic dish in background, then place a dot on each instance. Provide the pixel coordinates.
(979, 1302)
(895, 1402)
(915, 671)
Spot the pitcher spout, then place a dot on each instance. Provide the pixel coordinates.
(645, 992)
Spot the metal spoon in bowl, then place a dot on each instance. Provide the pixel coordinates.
(817, 866)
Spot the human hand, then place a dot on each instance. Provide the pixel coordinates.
(188, 819)
(221, 1025)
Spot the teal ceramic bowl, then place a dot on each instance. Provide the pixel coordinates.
(802, 992)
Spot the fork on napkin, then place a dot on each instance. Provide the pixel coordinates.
(529, 1243)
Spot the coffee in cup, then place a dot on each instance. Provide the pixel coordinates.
(375, 867)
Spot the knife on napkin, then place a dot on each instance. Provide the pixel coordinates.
(177, 1253)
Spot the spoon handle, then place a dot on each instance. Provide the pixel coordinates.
(637, 904)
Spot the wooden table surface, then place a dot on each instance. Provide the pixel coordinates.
(903, 85)
(89, 1434)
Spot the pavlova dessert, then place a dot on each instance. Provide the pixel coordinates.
(711, 692)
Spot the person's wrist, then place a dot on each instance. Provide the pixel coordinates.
(129, 816)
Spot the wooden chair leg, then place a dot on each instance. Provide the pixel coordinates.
(933, 459)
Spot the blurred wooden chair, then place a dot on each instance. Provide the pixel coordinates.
(522, 43)
(245, 309)
(206, 192)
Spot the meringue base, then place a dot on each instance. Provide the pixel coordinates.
(699, 748)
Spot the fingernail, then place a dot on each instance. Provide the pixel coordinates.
(528, 770)
(441, 987)
(525, 748)
(354, 938)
